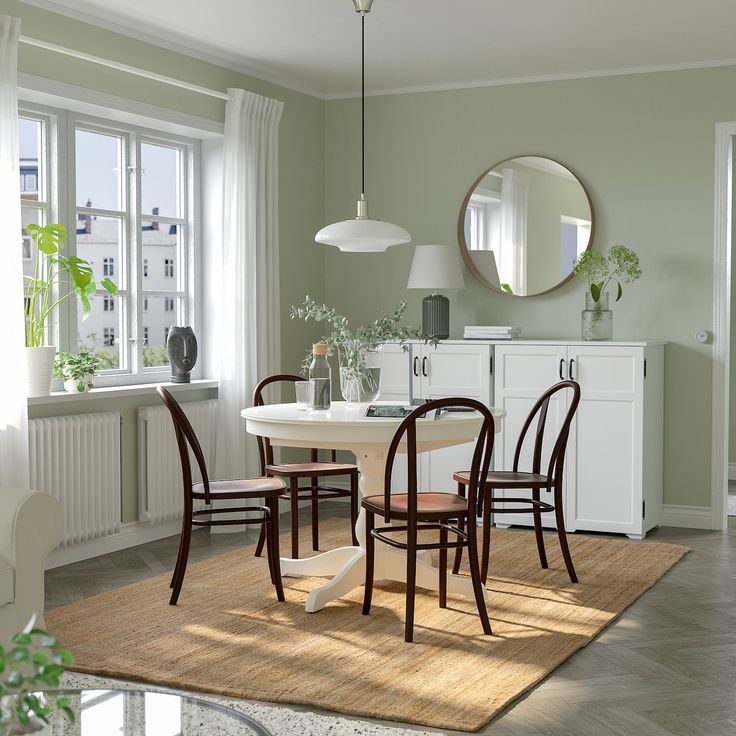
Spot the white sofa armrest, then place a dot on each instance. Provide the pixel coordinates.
(31, 525)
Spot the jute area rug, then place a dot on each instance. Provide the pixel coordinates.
(230, 636)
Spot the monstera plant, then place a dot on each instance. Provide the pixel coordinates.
(56, 278)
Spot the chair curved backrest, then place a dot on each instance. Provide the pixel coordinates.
(481, 454)
(540, 410)
(185, 438)
(265, 451)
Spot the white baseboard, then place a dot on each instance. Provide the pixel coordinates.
(732, 471)
(691, 517)
(130, 535)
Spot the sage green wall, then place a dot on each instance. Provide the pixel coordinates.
(301, 166)
(732, 387)
(629, 138)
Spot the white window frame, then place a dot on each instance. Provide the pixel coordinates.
(60, 151)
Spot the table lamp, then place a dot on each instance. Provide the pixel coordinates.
(435, 267)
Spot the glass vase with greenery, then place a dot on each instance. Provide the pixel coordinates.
(32, 661)
(619, 266)
(359, 376)
(56, 278)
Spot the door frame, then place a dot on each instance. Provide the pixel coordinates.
(725, 133)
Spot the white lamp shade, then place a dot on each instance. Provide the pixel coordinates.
(485, 262)
(362, 235)
(435, 267)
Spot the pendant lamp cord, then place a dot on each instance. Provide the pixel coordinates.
(362, 104)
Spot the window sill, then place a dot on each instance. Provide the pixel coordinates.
(122, 392)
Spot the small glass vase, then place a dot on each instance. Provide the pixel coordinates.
(597, 323)
(360, 374)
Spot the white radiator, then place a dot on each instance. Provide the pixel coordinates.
(76, 459)
(161, 495)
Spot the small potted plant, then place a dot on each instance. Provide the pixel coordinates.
(77, 371)
(358, 350)
(598, 271)
(56, 277)
(32, 661)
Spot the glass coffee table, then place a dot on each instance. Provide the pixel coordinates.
(149, 713)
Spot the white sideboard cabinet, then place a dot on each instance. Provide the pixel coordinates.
(613, 465)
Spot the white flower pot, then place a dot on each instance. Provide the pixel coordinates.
(71, 385)
(39, 364)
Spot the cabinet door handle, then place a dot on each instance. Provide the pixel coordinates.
(562, 362)
(569, 370)
(424, 366)
(415, 368)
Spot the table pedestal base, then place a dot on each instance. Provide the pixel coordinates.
(347, 566)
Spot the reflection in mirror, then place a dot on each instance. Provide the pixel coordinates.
(523, 224)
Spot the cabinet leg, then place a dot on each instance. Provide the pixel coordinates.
(637, 537)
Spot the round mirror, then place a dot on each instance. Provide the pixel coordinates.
(523, 224)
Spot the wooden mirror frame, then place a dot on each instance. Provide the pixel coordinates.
(465, 252)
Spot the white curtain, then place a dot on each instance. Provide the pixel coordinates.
(13, 411)
(248, 300)
(514, 200)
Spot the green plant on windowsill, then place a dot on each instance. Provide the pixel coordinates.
(32, 661)
(56, 278)
(621, 265)
(79, 369)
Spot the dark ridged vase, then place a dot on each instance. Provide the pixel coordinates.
(436, 316)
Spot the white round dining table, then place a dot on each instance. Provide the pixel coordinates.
(346, 427)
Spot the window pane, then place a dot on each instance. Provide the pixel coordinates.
(31, 166)
(30, 215)
(160, 180)
(98, 241)
(99, 170)
(100, 333)
(161, 267)
(159, 314)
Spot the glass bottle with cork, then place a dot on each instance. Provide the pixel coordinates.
(320, 374)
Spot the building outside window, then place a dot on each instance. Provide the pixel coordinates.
(168, 304)
(169, 268)
(108, 303)
(108, 336)
(145, 335)
(108, 266)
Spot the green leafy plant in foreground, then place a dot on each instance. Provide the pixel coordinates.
(79, 368)
(56, 278)
(32, 661)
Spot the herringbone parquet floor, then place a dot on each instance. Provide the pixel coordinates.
(667, 667)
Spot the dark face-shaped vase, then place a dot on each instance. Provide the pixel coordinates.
(182, 348)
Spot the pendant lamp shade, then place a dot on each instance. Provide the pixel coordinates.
(362, 235)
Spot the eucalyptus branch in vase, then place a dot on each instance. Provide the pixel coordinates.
(355, 346)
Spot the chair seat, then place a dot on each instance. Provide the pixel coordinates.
(250, 488)
(289, 470)
(429, 505)
(506, 479)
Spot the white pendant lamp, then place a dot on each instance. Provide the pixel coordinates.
(362, 235)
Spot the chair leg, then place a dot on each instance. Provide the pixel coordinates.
(538, 530)
(354, 506)
(443, 565)
(411, 579)
(562, 534)
(370, 544)
(486, 550)
(315, 514)
(273, 544)
(184, 556)
(294, 499)
(178, 554)
(475, 576)
(461, 527)
(261, 541)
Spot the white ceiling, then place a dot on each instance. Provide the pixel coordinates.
(314, 45)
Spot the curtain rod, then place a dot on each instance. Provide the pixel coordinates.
(123, 67)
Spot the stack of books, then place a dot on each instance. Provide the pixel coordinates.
(490, 332)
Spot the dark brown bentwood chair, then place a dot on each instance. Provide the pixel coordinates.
(517, 480)
(315, 491)
(218, 490)
(428, 512)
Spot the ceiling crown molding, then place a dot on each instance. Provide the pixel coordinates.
(201, 52)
